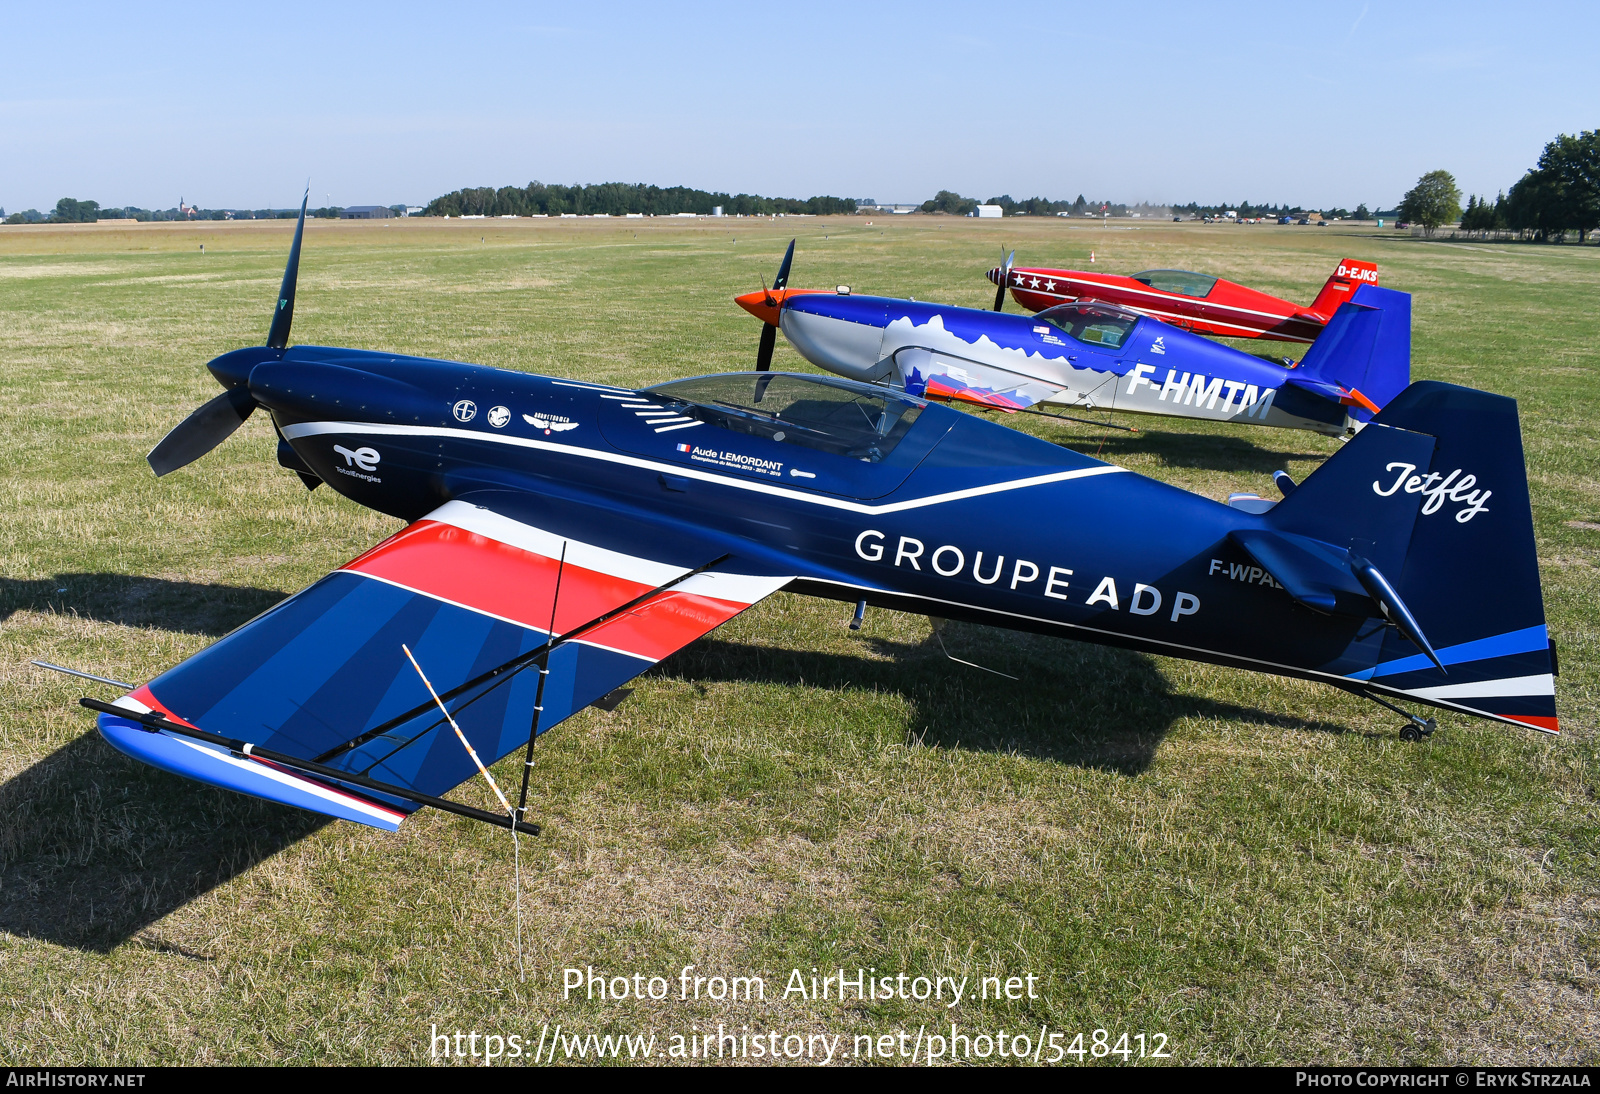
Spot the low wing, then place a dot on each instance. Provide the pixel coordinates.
(469, 589)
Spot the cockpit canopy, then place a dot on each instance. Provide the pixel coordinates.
(1182, 282)
(1103, 325)
(841, 417)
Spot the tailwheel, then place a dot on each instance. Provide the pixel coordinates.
(1410, 733)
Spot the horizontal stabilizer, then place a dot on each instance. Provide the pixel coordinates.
(1316, 574)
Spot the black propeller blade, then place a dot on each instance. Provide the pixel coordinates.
(202, 431)
(1005, 279)
(769, 333)
(283, 317)
(782, 280)
(215, 422)
(769, 339)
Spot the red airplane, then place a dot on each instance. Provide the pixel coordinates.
(1193, 301)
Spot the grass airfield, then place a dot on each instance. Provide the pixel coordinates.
(1259, 869)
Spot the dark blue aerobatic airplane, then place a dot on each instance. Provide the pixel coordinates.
(565, 536)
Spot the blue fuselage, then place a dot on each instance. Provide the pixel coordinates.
(1136, 363)
(962, 519)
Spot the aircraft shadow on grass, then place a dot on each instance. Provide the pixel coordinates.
(97, 848)
(1072, 703)
(1197, 450)
(131, 601)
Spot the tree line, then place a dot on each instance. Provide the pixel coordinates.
(620, 198)
(74, 211)
(949, 201)
(1559, 194)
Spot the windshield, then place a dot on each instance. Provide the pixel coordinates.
(1182, 282)
(858, 421)
(1096, 324)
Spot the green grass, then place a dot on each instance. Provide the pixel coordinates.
(1256, 868)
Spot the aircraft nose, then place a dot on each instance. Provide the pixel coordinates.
(307, 390)
(232, 370)
(767, 305)
(764, 305)
(993, 275)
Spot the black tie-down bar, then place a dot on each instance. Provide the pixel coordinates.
(255, 752)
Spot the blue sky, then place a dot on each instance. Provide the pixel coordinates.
(1320, 104)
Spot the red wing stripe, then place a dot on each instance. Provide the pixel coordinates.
(143, 694)
(493, 577)
(438, 556)
(663, 625)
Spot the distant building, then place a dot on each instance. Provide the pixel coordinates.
(366, 212)
(989, 211)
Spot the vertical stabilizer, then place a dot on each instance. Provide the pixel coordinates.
(1347, 277)
(1365, 348)
(1435, 492)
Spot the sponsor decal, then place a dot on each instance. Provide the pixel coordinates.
(550, 423)
(1159, 346)
(737, 460)
(465, 410)
(1437, 489)
(364, 460)
(499, 416)
(1021, 576)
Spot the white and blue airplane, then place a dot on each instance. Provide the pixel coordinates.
(1091, 355)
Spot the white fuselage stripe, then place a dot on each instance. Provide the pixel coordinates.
(312, 429)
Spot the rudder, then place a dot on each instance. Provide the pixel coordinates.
(1347, 277)
(1365, 348)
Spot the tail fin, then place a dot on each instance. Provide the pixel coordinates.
(1347, 277)
(1435, 493)
(1365, 349)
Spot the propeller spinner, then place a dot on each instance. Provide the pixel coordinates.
(1004, 278)
(767, 306)
(216, 421)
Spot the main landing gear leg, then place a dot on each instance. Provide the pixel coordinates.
(1415, 729)
(861, 614)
